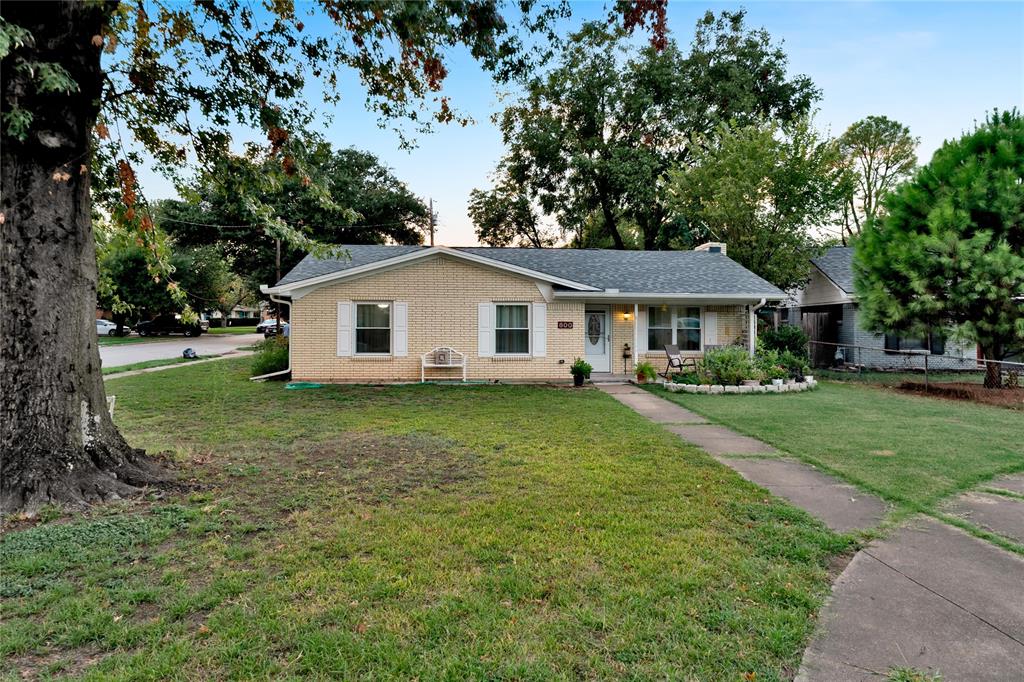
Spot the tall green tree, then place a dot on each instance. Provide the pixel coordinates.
(764, 189)
(950, 248)
(90, 86)
(592, 139)
(881, 153)
(348, 197)
(505, 216)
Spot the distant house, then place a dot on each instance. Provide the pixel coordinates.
(512, 314)
(827, 310)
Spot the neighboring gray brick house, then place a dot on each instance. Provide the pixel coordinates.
(827, 310)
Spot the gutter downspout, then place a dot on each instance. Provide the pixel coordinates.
(264, 377)
(752, 336)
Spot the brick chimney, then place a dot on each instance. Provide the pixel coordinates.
(712, 247)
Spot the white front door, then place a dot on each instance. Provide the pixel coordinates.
(597, 340)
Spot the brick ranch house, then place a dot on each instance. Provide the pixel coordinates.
(827, 310)
(516, 314)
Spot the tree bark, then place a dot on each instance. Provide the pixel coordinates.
(58, 444)
(993, 370)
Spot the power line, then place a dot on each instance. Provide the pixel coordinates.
(189, 222)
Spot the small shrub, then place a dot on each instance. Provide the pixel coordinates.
(795, 364)
(271, 356)
(786, 338)
(580, 367)
(645, 371)
(687, 378)
(770, 364)
(730, 365)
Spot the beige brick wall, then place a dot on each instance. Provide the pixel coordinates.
(443, 294)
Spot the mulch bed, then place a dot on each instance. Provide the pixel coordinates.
(1000, 397)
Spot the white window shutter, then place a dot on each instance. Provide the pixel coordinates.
(400, 332)
(344, 328)
(485, 330)
(710, 329)
(540, 330)
(641, 324)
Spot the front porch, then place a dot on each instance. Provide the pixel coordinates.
(618, 336)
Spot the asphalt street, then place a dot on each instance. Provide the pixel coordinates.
(207, 344)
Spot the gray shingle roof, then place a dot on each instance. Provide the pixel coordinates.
(837, 264)
(642, 272)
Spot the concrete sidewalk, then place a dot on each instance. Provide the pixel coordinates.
(931, 597)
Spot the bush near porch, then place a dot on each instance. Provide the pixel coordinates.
(436, 532)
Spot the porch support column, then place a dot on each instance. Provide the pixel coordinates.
(636, 333)
(752, 329)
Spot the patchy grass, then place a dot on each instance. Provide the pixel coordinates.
(912, 451)
(431, 532)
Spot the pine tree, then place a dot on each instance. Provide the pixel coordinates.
(950, 251)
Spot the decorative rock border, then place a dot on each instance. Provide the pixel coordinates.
(716, 388)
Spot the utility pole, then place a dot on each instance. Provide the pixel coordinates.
(431, 221)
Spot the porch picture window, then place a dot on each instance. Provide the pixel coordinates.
(675, 326)
(512, 329)
(373, 328)
(659, 328)
(688, 328)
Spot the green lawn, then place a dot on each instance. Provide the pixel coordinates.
(145, 364)
(231, 330)
(122, 340)
(913, 451)
(430, 532)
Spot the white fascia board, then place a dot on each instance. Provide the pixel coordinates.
(303, 287)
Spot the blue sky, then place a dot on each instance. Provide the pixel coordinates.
(934, 66)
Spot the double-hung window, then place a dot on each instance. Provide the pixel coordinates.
(512, 329)
(659, 328)
(373, 328)
(688, 328)
(673, 326)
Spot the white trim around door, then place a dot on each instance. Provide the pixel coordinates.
(597, 337)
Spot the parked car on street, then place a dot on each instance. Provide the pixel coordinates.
(108, 328)
(269, 327)
(170, 324)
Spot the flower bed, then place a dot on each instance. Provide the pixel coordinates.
(713, 389)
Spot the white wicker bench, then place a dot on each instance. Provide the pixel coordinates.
(444, 358)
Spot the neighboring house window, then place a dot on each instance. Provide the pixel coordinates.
(511, 329)
(934, 342)
(677, 326)
(373, 328)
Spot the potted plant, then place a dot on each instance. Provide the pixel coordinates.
(580, 370)
(645, 372)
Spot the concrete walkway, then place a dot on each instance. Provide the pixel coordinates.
(931, 597)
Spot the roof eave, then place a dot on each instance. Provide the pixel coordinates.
(387, 263)
(649, 296)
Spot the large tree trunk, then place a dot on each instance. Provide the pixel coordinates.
(993, 370)
(58, 444)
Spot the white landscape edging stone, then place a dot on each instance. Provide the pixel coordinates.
(717, 389)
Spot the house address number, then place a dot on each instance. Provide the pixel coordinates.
(565, 325)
